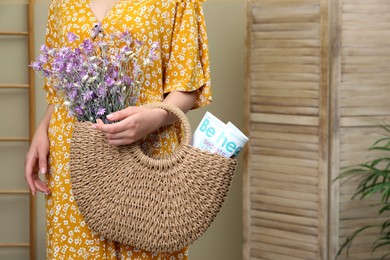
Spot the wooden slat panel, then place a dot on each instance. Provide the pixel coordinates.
(284, 27)
(290, 178)
(286, 70)
(282, 193)
(280, 136)
(278, 93)
(286, 153)
(283, 129)
(284, 161)
(14, 86)
(284, 168)
(357, 223)
(363, 95)
(256, 206)
(12, 192)
(363, 121)
(284, 234)
(280, 185)
(364, 52)
(278, 241)
(303, 68)
(303, 85)
(287, 145)
(283, 202)
(296, 228)
(286, 101)
(287, 43)
(14, 139)
(14, 245)
(304, 221)
(307, 34)
(257, 254)
(260, 53)
(13, 33)
(285, 119)
(5, 35)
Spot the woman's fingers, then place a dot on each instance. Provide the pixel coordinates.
(136, 123)
(122, 141)
(122, 114)
(41, 186)
(35, 163)
(43, 161)
(31, 162)
(127, 134)
(111, 128)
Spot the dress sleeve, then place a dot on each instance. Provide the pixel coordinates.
(188, 67)
(51, 42)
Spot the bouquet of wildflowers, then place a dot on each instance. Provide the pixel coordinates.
(101, 76)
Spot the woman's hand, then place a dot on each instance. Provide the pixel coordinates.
(134, 123)
(36, 158)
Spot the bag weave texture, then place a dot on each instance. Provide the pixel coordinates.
(156, 204)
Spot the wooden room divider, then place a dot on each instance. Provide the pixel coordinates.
(317, 87)
(29, 90)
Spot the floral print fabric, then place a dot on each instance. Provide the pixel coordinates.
(183, 65)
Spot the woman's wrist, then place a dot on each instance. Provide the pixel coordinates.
(46, 119)
(183, 100)
(162, 116)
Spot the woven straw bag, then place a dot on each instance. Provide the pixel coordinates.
(156, 204)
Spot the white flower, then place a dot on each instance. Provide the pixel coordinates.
(84, 78)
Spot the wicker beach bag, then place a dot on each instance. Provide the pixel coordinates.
(156, 204)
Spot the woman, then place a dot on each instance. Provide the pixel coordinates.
(179, 76)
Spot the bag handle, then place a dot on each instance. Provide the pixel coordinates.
(182, 118)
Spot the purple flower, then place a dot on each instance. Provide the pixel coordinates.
(114, 74)
(42, 58)
(116, 60)
(73, 94)
(36, 65)
(70, 113)
(58, 65)
(127, 80)
(77, 51)
(126, 36)
(97, 76)
(109, 81)
(101, 91)
(87, 95)
(101, 111)
(96, 30)
(155, 45)
(64, 52)
(69, 67)
(136, 69)
(103, 45)
(68, 86)
(153, 51)
(44, 48)
(87, 46)
(71, 37)
(47, 73)
(124, 49)
(79, 111)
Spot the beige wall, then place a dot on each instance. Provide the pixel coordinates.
(226, 29)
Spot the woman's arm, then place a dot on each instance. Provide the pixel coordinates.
(137, 122)
(36, 158)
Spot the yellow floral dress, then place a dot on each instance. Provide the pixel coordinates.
(183, 65)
